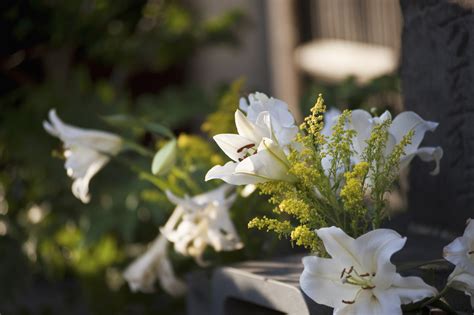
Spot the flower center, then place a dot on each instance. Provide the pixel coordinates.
(352, 277)
(246, 151)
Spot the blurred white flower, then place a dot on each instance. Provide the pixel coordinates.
(86, 152)
(154, 263)
(363, 123)
(460, 252)
(201, 221)
(282, 121)
(258, 150)
(330, 119)
(359, 278)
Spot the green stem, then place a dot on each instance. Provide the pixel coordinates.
(421, 264)
(187, 179)
(145, 175)
(436, 297)
(130, 145)
(160, 183)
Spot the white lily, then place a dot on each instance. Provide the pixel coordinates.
(86, 152)
(460, 252)
(282, 120)
(359, 279)
(202, 221)
(258, 150)
(363, 123)
(154, 263)
(330, 119)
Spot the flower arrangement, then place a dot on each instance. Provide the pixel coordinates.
(328, 180)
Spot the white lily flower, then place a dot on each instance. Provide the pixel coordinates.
(363, 123)
(202, 221)
(460, 252)
(256, 151)
(154, 263)
(330, 119)
(86, 152)
(359, 279)
(282, 120)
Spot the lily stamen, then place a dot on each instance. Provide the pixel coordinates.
(348, 302)
(248, 146)
(354, 278)
(343, 272)
(249, 151)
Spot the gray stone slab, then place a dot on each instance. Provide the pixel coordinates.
(262, 287)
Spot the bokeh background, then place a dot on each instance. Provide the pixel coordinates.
(169, 61)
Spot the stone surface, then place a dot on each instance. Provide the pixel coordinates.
(272, 287)
(437, 72)
(262, 287)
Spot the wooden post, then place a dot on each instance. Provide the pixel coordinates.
(282, 41)
(437, 74)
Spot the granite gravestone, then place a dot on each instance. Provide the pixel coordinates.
(437, 72)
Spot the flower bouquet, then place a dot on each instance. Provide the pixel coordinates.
(329, 180)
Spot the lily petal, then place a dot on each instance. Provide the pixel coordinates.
(361, 122)
(232, 144)
(469, 231)
(339, 245)
(154, 263)
(168, 280)
(385, 116)
(375, 249)
(249, 130)
(367, 304)
(411, 289)
(87, 151)
(462, 281)
(95, 139)
(321, 281)
(228, 173)
(407, 121)
(243, 104)
(428, 154)
(457, 253)
(268, 164)
(330, 119)
(80, 186)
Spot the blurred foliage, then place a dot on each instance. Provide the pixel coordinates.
(83, 259)
(222, 120)
(379, 94)
(92, 59)
(155, 34)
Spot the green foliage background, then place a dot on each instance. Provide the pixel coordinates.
(91, 59)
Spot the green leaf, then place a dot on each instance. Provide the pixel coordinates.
(158, 128)
(120, 120)
(164, 159)
(444, 306)
(125, 121)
